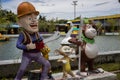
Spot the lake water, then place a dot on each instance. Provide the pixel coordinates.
(9, 51)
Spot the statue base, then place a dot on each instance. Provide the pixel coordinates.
(35, 74)
(94, 76)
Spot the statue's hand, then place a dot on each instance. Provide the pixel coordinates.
(30, 46)
(64, 61)
(74, 41)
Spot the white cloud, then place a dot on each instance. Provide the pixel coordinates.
(64, 8)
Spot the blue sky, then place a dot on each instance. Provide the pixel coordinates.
(64, 9)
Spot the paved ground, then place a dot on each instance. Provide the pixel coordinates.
(101, 76)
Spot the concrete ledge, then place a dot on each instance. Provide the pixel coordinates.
(110, 56)
(102, 57)
(9, 68)
(101, 76)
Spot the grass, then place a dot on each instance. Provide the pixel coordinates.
(111, 67)
(118, 76)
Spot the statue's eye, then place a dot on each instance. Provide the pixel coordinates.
(30, 18)
(68, 49)
(89, 26)
(35, 18)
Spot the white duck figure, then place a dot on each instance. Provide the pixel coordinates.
(67, 37)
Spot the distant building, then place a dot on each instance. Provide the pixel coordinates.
(107, 26)
(14, 29)
(63, 28)
(103, 19)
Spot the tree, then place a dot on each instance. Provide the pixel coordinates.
(61, 21)
(51, 25)
(7, 16)
(42, 25)
(42, 18)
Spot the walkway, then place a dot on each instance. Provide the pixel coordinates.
(101, 76)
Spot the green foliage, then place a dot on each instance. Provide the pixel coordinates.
(77, 18)
(61, 21)
(42, 25)
(98, 25)
(118, 76)
(43, 18)
(7, 16)
(86, 21)
(48, 25)
(51, 26)
(2, 29)
(109, 66)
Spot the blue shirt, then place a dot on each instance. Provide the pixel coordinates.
(22, 46)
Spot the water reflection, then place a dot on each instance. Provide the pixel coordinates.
(9, 51)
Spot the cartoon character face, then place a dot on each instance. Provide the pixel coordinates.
(90, 32)
(66, 49)
(29, 22)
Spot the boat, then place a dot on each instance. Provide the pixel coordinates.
(3, 38)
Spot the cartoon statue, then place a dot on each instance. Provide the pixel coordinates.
(89, 49)
(30, 41)
(65, 51)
